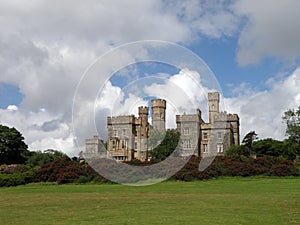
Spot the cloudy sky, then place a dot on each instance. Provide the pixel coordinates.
(46, 47)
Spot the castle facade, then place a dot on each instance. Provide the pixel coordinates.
(128, 135)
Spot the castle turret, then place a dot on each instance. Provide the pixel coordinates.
(159, 114)
(213, 105)
(143, 115)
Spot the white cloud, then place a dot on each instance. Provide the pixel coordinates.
(47, 45)
(184, 93)
(271, 30)
(41, 129)
(12, 108)
(262, 110)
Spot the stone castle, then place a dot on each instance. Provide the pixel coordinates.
(128, 135)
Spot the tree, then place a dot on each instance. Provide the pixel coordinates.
(248, 141)
(12, 146)
(292, 119)
(167, 145)
(236, 150)
(268, 146)
(39, 158)
(291, 149)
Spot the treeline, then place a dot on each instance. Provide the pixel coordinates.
(266, 157)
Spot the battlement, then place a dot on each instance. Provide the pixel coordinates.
(120, 119)
(213, 96)
(143, 110)
(159, 103)
(232, 117)
(188, 118)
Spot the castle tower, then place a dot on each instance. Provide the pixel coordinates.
(159, 114)
(235, 122)
(213, 105)
(143, 114)
(142, 134)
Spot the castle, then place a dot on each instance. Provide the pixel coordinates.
(128, 135)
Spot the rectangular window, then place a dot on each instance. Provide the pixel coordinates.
(135, 145)
(205, 148)
(219, 148)
(204, 135)
(186, 131)
(123, 144)
(113, 144)
(187, 143)
(219, 135)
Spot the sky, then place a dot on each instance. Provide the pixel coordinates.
(47, 47)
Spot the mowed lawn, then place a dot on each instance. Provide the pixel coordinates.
(229, 201)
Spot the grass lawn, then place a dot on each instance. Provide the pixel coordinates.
(231, 201)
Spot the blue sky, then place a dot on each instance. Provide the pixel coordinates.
(252, 47)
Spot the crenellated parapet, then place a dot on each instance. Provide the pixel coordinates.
(159, 103)
(120, 119)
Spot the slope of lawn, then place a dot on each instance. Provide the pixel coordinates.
(255, 200)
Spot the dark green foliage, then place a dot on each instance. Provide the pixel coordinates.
(268, 146)
(13, 175)
(236, 150)
(40, 158)
(167, 145)
(248, 141)
(291, 149)
(12, 146)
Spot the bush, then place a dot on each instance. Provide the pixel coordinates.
(65, 170)
(18, 178)
(238, 166)
(61, 171)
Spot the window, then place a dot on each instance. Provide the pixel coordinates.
(113, 144)
(135, 145)
(205, 135)
(115, 133)
(205, 148)
(186, 131)
(219, 148)
(219, 135)
(187, 143)
(123, 144)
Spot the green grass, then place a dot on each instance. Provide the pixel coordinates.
(229, 201)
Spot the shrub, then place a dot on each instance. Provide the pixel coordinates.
(18, 178)
(237, 166)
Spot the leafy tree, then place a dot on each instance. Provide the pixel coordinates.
(40, 158)
(12, 146)
(268, 146)
(292, 120)
(290, 149)
(245, 149)
(248, 141)
(236, 150)
(167, 145)
(155, 138)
